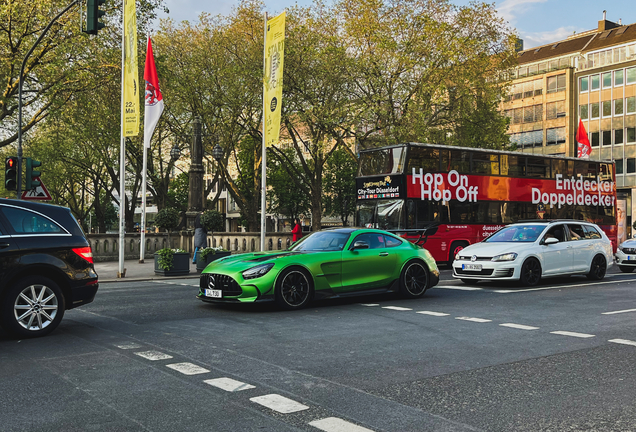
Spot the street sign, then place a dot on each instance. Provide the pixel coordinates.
(39, 193)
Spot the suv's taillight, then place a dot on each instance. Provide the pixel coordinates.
(85, 252)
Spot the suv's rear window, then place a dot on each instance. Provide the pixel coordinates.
(26, 222)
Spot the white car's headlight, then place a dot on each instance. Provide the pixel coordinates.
(258, 271)
(505, 257)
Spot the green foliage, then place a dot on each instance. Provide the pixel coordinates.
(166, 258)
(167, 219)
(178, 192)
(212, 220)
(285, 197)
(203, 253)
(340, 185)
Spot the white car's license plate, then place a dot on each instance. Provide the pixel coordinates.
(471, 267)
(213, 293)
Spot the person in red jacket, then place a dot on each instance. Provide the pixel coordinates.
(297, 231)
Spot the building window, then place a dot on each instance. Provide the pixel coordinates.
(555, 136)
(618, 136)
(607, 108)
(594, 140)
(517, 91)
(595, 110)
(555, 110)
(538, 87)
(527, 139)
(618, 77)
(595, 82)
(528, 89)
(631, 75)
(630, 103)
(631, 166)
(618, 106)
(619, 166)
(607, 137)
(556, 83)
(517, 116)
(631, 135)
(583, 84)
(583, 111)
(523, 71)
(607, 79)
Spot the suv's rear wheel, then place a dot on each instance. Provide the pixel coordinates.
(32, 307)
(598, 268)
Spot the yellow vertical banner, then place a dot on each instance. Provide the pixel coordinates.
(130, 108)
(273, 79)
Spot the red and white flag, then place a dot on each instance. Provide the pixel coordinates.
(154, 99)
(584, 149)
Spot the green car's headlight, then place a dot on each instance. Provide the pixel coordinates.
(505, 257)
(258, 271)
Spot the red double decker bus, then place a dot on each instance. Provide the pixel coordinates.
(449, 197)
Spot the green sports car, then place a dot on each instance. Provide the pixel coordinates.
(329, 263)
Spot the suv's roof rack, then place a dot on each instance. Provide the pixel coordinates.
(551, 220)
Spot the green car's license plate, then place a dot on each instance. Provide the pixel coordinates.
(213, 293)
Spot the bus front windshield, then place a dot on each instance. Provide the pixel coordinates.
(517, 233)
(322, 241)
(386, 214)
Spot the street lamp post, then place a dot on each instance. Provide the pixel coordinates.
(217, 154)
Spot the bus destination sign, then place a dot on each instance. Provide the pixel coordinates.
(380, 187)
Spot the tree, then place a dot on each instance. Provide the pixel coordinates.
(340, 185)
(212, 220)
(285, 198)
(178, 192)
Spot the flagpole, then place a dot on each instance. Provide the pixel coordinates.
(142, 227)
(122, 154)
(264, 157)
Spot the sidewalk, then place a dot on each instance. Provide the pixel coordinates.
(107, 271)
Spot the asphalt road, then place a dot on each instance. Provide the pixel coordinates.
(148, 356)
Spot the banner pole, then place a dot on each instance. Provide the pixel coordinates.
(264, 157)
(142, 225)
(122, 156)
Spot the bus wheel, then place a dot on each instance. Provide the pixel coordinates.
(626, 269)
(530, 272)
(456, 246)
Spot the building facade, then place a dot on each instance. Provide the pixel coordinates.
(590, 76)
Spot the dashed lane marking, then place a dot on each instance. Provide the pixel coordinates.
(477, 320)
(561, 286)
(519, 326)
(397, 308)
(153, 355)
(459, 288)
(228, 384)
(573, 334)
(333, 424)
(188, 368)
(128, 345)
(279, 403)
(437, 314)
(369, 304)
(619, 312)
(623, 341)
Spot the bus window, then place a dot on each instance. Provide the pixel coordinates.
(366, 214)
(425, 158)
(421, 213)
(460, 161)
(558, 167)
(538, 167)
(390, 214)
(485, 163)
(585, 169)
(516, 166)
(606, 172)
(382, 161)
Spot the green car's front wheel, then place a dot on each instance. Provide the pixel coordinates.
(414, 279)
(293, 288)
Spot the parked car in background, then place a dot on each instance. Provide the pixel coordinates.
(530, 251)
(626, 256)
(46, 267)
(328, 263)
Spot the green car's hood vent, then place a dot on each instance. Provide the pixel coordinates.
(259, 257)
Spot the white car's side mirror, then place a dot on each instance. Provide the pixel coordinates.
(550, 241)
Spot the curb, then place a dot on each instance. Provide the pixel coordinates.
(149, 278)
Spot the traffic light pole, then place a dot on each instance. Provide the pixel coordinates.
(20, 78)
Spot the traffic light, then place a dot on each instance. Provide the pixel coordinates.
(93, 14)
(11, 173)
(32, 175)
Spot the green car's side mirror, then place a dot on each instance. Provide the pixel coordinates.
(360, 245)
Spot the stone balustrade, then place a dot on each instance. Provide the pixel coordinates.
(106, 246)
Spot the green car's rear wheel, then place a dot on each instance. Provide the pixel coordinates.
(293, 288)
(414, 279)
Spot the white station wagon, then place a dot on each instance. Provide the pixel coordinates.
(533, 250)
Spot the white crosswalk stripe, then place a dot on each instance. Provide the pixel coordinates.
(228, 384)
(188, 368)
(333, 424)
(279, 403)
(153, 355)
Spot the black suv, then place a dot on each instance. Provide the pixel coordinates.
(46, 267)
